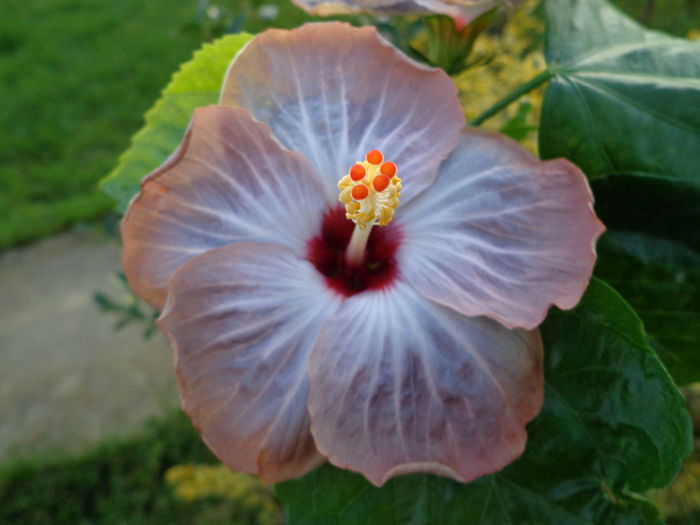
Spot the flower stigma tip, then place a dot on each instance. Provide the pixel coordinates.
(370, 192)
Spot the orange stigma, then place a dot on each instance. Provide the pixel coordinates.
(370, 191)
(388, 169)
(360, 192)
(380, 182)
(374, 157)
(357, 172)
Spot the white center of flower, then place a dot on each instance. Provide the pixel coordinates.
(370, 192)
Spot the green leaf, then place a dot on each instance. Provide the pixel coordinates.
(624, 104)
(613, 424)
(633, 425)
(652, 257)
(623, 99)
(196, 84)
(662, 279)
(517, 126)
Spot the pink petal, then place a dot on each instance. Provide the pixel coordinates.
(334, 92)
(242, 320)
(400, 384)
(342, 7)
(469, 9)
(501, 234)
(229, 181)
(464, 10)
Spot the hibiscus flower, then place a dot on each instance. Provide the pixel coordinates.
(385, 338)
(462, 10)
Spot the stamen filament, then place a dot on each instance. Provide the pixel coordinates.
(355, 252)
(370, 192)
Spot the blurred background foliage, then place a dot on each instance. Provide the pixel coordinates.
(76, 77)
(165, 474)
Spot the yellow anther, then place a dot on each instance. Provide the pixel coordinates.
(374, 203)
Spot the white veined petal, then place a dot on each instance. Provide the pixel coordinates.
(242, 320)
(501, 233)
(400, 384)
(334, 92)
(230, 181)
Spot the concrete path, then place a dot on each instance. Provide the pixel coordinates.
(67, 379)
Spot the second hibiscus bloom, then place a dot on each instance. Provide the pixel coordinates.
(419, 353)
(463, 10)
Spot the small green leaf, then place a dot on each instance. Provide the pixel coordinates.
(613, 424)
(624, 104)
(517, 126)
(196, 84)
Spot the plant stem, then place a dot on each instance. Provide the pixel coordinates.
(513, 96)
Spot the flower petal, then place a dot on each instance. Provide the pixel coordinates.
(465, 10)
(400, 384)
(242, 320)
(344, 7)
(501, 233)
(229, 181)
(334, 92)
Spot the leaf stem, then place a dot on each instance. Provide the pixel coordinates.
(521, 90)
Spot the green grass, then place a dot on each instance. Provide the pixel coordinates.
(117, 483)
(75, 79)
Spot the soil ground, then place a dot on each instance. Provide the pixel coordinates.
(67, 378)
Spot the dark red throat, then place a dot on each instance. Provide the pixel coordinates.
(327, 253)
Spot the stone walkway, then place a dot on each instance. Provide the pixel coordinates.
(67, 379)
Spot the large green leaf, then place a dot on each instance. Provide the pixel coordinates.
(623, 99)
(624, 104)
(196, 84)
(651, 254)
(612, 424)
(662, 279)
